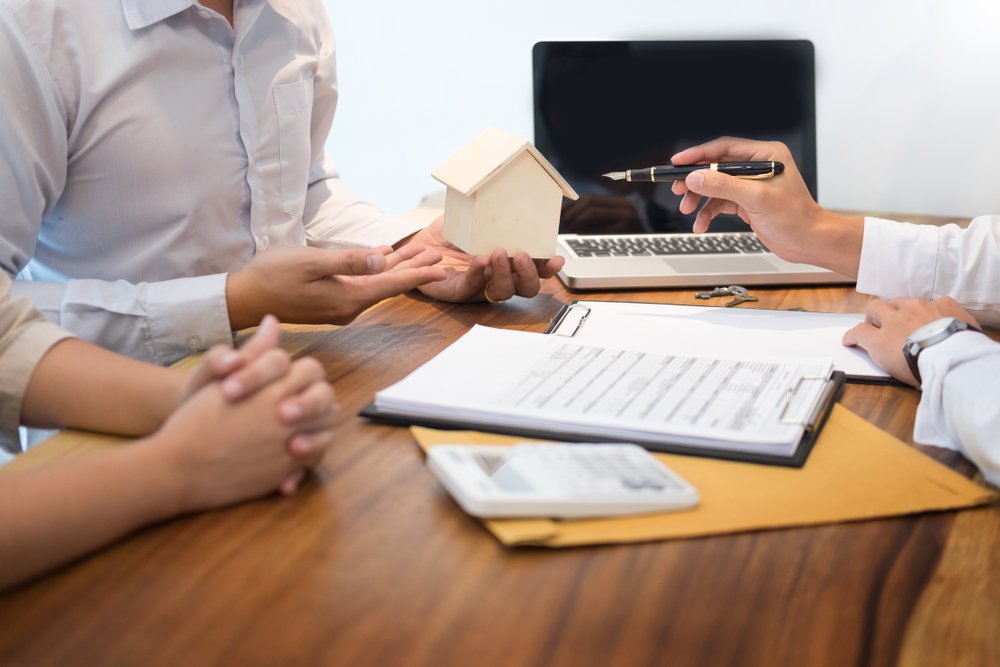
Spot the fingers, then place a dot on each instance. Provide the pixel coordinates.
(266, 368)
(712, 184)
(547, 268)
(415, 257)
(308, 449)
(729, 149)
(526, 278)
(878, 311)
(860, 335)
(301, 374)
(291, 483)
(503, 277)
(322, 262)
(219, 362)
(310, 409)
(501, 284)
(397, 281)
(264, 338)
(709, 211)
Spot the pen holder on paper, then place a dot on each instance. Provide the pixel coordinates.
(810, 421)
(570, 321)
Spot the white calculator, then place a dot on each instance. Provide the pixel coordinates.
(558, 480)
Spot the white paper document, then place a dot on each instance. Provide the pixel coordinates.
(620, 391)
(706, 330)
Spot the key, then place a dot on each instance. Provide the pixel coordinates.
(740, 298)
(718, 291)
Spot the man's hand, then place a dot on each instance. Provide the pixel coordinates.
(888, 323)
(493, 277)
(306, 285)
(780, 210)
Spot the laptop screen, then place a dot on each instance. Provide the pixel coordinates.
(611, 106)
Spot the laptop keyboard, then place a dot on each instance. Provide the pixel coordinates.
(672, 244)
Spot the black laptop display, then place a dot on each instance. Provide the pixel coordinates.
(610, 106)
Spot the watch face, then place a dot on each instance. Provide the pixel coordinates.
(931, 329)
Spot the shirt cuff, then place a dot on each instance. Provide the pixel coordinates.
(17, 364)
(188, 315)
(897, 259)
(931, 426)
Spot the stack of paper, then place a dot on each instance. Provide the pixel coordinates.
(551, 386)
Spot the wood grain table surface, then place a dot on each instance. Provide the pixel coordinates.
(373, 564)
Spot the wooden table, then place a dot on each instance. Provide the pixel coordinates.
(372, 564)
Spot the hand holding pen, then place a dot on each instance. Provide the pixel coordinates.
(781, 211)
(667, 173)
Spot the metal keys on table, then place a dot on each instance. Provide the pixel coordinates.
(739, 294)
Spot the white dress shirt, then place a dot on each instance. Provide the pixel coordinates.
(148, 149)
(960, 404)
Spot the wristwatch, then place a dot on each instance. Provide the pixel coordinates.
(930, 334)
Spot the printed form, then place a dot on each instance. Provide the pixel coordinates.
(526, 379)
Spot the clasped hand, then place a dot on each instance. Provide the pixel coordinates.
(250, 421)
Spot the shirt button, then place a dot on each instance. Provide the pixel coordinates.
(264, 242)
(194, 344)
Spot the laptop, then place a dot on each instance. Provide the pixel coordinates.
(603, 106)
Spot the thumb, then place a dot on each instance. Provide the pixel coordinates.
(355, 262)
(712, 184)
(860, 335)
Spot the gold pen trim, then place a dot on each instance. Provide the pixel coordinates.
(652, 175)
(760, 177)
(628, 175)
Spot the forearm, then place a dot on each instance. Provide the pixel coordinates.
(53, 514)
(82, 386)
(837, 243)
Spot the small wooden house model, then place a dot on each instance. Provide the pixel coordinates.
(502, 193)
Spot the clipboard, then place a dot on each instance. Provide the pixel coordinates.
(530, 370)
(813, 426)
(573, 318)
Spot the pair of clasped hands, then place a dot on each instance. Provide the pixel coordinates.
(792, 225)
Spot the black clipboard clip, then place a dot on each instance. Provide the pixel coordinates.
(569, 320)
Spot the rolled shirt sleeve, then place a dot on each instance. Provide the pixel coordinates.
(159, 322)
(901, 259)
(25, 337)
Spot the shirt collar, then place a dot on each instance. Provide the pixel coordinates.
(141, 14)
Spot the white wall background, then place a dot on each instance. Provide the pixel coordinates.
(908, 91)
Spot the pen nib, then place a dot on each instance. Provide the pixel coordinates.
(615, 175)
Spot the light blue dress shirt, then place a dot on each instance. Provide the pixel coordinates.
(148, 149)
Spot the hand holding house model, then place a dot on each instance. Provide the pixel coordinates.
(502, 193)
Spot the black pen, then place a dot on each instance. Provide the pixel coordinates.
(751, 170)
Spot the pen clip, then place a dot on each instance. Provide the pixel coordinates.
(573, 317)
(809, 423)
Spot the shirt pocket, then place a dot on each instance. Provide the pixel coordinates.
(293, 107)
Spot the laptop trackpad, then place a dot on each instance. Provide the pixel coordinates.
(728, 264)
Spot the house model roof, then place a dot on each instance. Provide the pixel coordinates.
(475, 164)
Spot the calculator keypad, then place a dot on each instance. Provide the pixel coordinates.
(594, 469)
